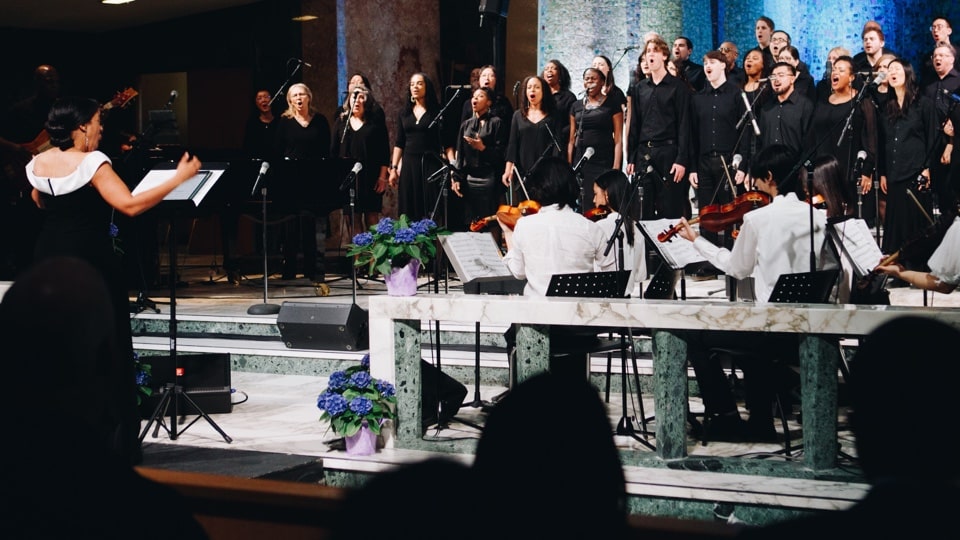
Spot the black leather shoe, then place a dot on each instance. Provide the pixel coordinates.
(725, 427)
(760, 430)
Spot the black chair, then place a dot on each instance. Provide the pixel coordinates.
(585, 342)
(800, 288)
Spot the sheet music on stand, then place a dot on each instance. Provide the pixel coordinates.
(854, 238)
(478, 263)
(677, 252)
(194, 189)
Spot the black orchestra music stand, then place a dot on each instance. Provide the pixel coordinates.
(611, 284)
(805, 287)
(187, 196)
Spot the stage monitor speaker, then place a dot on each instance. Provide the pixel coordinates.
(315, 325)
(206, 379)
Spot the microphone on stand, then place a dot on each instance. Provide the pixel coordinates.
(173, 97)
(299, 61)
(357, 167)
(879, 78)
(753, 119)
(737, 158)
(587, 154)
(631, 48)
(263, 171)
(858, 166)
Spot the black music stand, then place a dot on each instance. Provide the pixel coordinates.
(188, 195)
(611, 284)
(663, 284)
(805, 287)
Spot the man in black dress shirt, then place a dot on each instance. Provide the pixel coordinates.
(940, 31)
(735, 73)
(692, 71)
(873, 49)
(939, 90)
(785, 120)
(660, 136)
(715, 112)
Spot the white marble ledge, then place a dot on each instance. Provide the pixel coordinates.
(744, 489)
(827, 319)
(654, 482)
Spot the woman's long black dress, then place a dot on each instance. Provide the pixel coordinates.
(422, 154)
(908, 143)
(77, 224)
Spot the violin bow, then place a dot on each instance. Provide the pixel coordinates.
(920, 206)
(523, 185)
(726, 171)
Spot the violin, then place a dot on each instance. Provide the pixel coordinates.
(719, 217)
(597, 213)
(919, 248)
(508, 214)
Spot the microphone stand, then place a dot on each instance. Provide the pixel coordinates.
(439, 116)
(625, 425)
(264, 308)
(286, 82)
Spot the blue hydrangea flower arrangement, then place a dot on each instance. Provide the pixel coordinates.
(352, 396)
(144, 376)
(392, 243)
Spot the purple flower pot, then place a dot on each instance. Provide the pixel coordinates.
(403, 281)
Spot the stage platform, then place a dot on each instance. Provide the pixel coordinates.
(274, 389)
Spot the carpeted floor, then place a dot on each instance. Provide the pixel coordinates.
(242, 463)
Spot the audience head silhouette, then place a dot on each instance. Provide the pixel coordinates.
(57, 319)
(882, 366)
(414, 500)
(546, 484)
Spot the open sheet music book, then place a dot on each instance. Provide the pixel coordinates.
(194, 189)
(678, 252)
(854, 238)
(475, 256)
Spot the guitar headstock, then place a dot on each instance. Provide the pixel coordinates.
(121, 99)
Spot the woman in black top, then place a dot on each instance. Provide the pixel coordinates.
(557, 77)
(610, 88)
(480, 146)
(908, 130)
(361, 136)
(829, 118)
(303, 141)
(534, 133)
(595, 122)
(418, 151)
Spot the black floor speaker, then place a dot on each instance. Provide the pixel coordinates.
(452, 393)
(310, 325)
(206, 380)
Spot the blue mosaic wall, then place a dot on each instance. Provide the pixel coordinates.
(574, 31)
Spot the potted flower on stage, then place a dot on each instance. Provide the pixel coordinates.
(397, 248)
(357, 405)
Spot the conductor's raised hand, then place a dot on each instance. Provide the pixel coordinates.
(188, 166)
